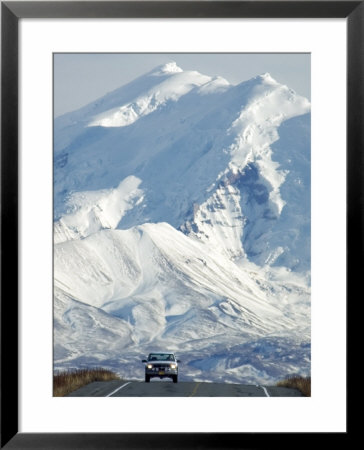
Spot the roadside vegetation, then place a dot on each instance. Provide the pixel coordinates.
(303, 384)
(70, 380)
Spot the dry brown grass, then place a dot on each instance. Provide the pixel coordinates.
(70, 380)
(303, 384)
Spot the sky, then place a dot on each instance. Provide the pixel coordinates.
(80, 78)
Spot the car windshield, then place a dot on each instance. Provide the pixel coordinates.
(161, 357)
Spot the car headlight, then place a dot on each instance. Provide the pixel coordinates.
(173, 366)
(149, 366)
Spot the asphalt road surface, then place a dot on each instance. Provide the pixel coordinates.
(157, 388)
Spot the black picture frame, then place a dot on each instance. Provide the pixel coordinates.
(11, 12)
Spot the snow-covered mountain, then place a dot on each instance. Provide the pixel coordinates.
(182, 222)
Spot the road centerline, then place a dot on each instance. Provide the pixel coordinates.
(118, 389)
(195, 389)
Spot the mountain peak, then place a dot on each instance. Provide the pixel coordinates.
(267, 78)
(170, 67)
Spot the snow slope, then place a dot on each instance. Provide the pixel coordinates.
(182, 222)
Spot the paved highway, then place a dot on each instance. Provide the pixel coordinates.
(123, 388)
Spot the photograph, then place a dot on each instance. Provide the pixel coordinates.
(181, 224)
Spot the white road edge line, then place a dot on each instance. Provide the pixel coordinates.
(118, 389)
(265, 390)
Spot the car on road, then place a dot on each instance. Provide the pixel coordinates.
(161, 365)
